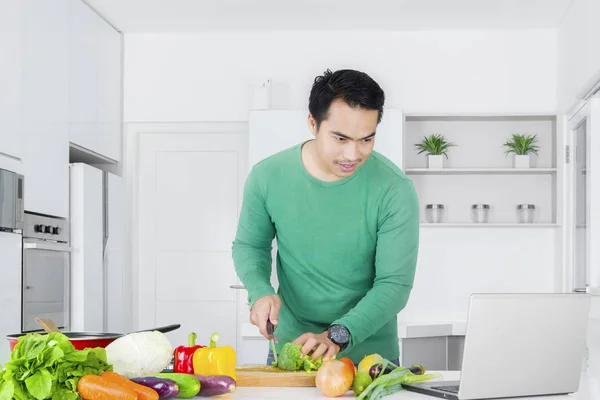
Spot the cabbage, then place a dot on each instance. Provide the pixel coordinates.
(140, 354)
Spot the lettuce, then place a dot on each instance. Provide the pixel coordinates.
(48, 367)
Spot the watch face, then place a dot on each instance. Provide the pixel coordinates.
(339, 334)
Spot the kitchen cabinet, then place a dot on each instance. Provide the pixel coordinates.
(46, 169)
(95, 83)
(593, 338)
(45, 69)
(10, 289)
(441, 353)
(45, 106)
(60, 81)
(11, 16)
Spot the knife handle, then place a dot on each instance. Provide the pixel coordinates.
(270, 327)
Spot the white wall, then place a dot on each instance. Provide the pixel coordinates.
(456, 262)
(207, 77)
(578, 51)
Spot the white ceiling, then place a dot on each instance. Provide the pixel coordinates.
(253, 15)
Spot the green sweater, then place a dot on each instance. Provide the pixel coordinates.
(347, 250)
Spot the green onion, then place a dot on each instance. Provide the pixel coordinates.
(385, 385)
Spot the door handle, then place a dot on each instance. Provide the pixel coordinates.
(580, 290)
(48, 246)
(237, 287)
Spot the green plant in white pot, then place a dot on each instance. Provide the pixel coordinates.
(436, 146)
(522, 146)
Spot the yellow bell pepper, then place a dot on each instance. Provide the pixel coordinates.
(215, 360)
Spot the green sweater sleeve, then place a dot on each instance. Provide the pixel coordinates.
(395, 264)
(253, 243)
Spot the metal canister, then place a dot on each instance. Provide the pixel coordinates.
(480, 213)
(525, 213)
(434, 213)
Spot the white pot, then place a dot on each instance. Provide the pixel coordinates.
(522, 161)
(435, 162)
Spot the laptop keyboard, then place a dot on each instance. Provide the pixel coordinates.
(448, 388)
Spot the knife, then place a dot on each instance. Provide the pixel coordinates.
(270, 330)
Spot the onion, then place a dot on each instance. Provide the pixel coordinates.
(334, 378)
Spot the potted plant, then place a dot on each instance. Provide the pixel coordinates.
(436, 147)
(522, 146)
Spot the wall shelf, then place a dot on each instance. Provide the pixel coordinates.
(466, 171)
(488, 225)
(478, 171)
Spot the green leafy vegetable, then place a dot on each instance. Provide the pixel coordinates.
(290, 359)
(48, 367)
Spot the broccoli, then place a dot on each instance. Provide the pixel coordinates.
(290, 359)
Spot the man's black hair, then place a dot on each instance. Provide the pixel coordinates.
(355, 88)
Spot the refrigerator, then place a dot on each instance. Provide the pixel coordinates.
(98, 280)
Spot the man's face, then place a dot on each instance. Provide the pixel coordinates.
(345, 139)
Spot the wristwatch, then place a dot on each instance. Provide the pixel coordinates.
(339, 335)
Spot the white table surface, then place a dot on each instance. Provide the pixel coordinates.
(589, 389)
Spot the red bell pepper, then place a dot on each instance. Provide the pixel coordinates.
(184, 356)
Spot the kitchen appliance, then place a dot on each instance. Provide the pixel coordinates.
(11, 201)
(98, 301)
(46, 271)
(82, 340)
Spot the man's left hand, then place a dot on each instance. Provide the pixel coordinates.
(319, 344)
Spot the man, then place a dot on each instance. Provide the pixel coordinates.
(347, 226)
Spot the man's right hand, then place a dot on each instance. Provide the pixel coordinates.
(264, 309)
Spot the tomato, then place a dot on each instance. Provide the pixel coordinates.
(350, 364)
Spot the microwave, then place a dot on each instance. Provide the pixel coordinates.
(12, 206)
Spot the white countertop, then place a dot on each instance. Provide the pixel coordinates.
(405, 329)
(589, 389)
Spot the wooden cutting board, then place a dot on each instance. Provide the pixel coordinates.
(264, 376)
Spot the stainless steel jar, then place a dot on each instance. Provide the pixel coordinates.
(434, 213)
(480, 213)
(526, 213)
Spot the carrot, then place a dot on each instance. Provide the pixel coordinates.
(143, 392)
(94, 387)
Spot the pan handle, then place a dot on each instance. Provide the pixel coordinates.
(163, 329)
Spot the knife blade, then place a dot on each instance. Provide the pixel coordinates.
(270, 330)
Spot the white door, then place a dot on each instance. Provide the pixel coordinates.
(583, 195)
(190, 189)
(582, 223)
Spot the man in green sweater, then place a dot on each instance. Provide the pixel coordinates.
(346, 221)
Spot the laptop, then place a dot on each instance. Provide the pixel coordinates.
(519, 345)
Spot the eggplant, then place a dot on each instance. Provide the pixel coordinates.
(188, 383)
(166, 388)
(215, 385)
(375, 370)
